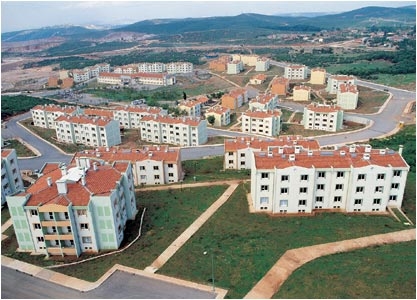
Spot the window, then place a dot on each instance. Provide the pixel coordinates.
(156, 177)
(358, 202)
(304, 177)
(84, 226)
(170, 165)
(156, 168)
(379, 189)
(242, 163)
(242, 154)
(51, 215)
(361, 177)
(170, 174)
(322, 174)
(380, 176)
(359, 189)
(86, 239)
(230, 153)
(284, 177)
(40, 239)
(393, 197)
(319, 199)
(37, 226)
(377, 201)
(340, 174)
(82, 212)
(397, 173)
(302, 202)
(264, 200)
(283, 203)
(264, 175)
(320, 186)
(303, 190)
(53, 229)
(142, 168)
(337, 199)
(339, 187)
(66, 215)
(395, 185)
(69, 229)
(264, 187)
(284, 190)
(33, 212)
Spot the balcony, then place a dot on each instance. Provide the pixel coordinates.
(60, 251)
(50, 223)
(61, 236)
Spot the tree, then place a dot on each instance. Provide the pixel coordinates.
(184, 95)
(211, 119)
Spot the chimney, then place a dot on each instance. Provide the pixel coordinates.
(95, 166)
(310, 153)
(62, 186)
(400, 150)
(368, 148)
(49, 181)
(342, 153)
(297, 149)
(291, 157)
(83, 180)
(366, 156)
(352, 148)
(64, 170)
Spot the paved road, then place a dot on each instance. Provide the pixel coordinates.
(120, 285)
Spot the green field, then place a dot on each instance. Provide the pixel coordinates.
(381, 272)
(21, 150)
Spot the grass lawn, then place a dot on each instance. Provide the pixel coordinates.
(380, 272)
(402, 81)
(21, 150)
(211, 169)
(295, 129)
(5, 215)
(168, 214)
(370, 101)
(246, 246)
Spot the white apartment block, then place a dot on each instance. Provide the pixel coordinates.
(234, 67)
(155, 78)
(323, 117)
(90, 131)
(151, 165)
(191, 107)
(347, 96)
(11, 179)
(155, 67)
(318, 76)
(44, 115)
(113, 78)
(262, 64)
(80, 75)
(351, 179)
(334, 82)
(238, 151)
(295, 72)
(221, 115)
(249, 60)
(183, 131)
(179, 68)
(264, 102)
(129, 116)
(129, 69)
(72, 210)
(266, 123)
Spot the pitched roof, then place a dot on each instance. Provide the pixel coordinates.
(348, 88)
(5, 152)
(262, 114)
(263, 99)
(218, 110)
(263, 143)
(341, 158)
(171, 120)
(323, 108)
(98, 112)
(55, 108)
(85, 120)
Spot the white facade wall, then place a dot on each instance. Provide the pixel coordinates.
(11, 179)
(151, 67)
(234, 67)
(334, 82)
(327, 121)
(270, 126)
(262, 65)
(347, 100)
(295, 72)
(179, 67)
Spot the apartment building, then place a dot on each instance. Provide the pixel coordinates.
(258, 79)
(264, 102)
(75, 209)
(90, 131)
(249, 60)
(280, 86)
(295, 72)
(11, 179)
(80, 75)
(323, 117)
(94, 112)
(221, 115)
(129, 116)
(114, 78)
(220, 64)
(151, 165)
(44, 115)
(155, 67)
(179, 68)
(129, 69)
(318, 76)
(301, 93)
(191, 107)
(262, 64)
(334, 82)
(183, 131)
(351, 179)
(163, 79)
(235, 98)
(234, 67)
(347, 96)
(266, 123)
(238, 151)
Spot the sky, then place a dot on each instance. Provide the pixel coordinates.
(22, 15)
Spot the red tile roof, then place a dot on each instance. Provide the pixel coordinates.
(98, 112)
(348, 88)
(263, 143)
(329, 159)
(6, 152)
(323, 108)
(263, 99)
(85, 120)
(171, 120)
(55, 108)
(139, 109)
(262, 114)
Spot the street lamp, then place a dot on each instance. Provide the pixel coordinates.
(212, 269)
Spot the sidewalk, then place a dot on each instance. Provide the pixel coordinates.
(295, 258)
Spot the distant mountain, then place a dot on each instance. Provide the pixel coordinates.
(232, 26)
